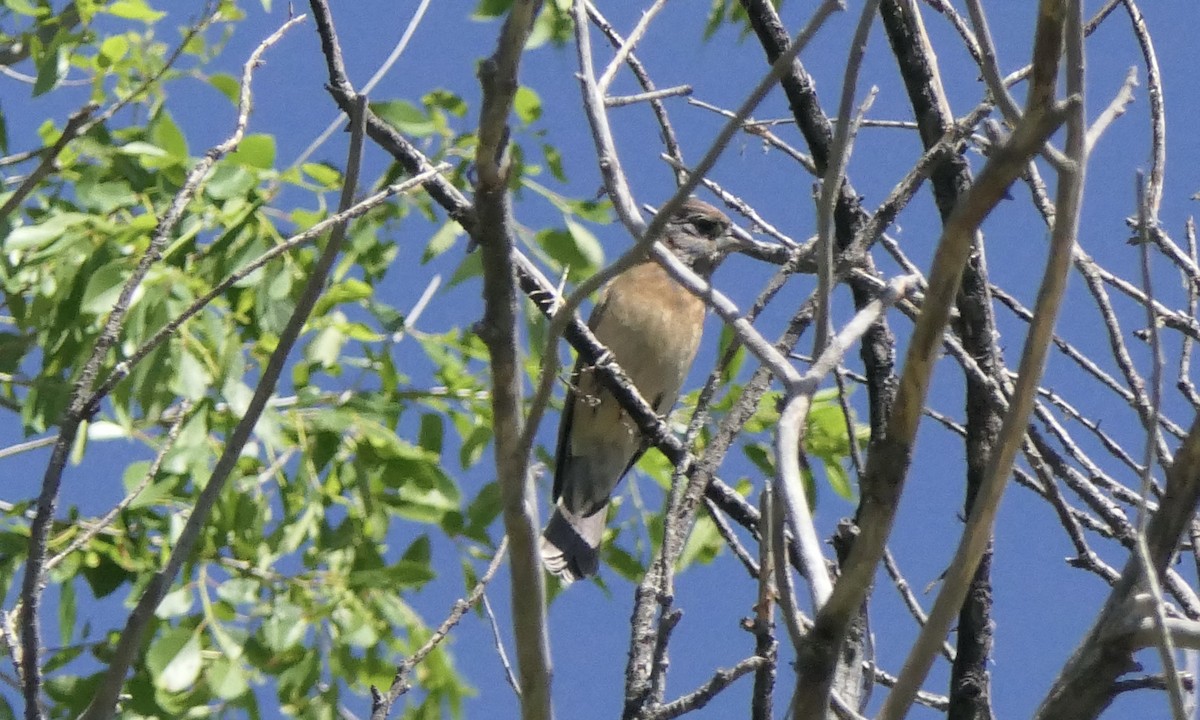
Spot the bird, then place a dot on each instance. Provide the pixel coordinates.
(651, 325)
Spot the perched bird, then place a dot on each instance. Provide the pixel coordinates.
(652, 327)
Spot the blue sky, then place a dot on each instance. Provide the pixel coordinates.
(1042, 607)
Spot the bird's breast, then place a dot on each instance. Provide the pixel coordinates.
(652, 325)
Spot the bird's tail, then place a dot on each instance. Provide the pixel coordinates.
(571, 544)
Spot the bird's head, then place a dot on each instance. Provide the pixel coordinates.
(700, 235)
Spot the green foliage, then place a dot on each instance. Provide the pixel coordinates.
(827, 438)
(296, 582)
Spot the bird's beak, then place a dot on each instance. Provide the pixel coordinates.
(736, 240)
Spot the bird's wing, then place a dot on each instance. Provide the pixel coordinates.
(562, 452)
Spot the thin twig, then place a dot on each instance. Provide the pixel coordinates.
(763, 623)
(382, 704)
(627, 47)
(501, 654)
(401, 45)
(791, 433)
(75, 125)
(95, 528)
(1116, 108)
(623, 100)
(835, 169)
(704, 694)
(910, 600)
(1158, 613)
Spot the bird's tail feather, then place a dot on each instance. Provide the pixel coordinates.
(571, 544)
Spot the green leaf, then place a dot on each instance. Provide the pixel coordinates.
(766, 417)
(554, 161)
(447, 101)
(349, 290)
(405, 573)
(174, 659)
(431, 433)
(227, 679)
(227, 85)
(24, 7)
(473, 445)
(442, 240)
(527, 104)
(323, 174)
(13, 348)
(285, 627)
(405, 117)
(62, 658)
(66, 612)
(229, 181)
(154, 494)
(471, 266)
(355, 628)
(483, 510)
(112, 50)
(575, 249)
(839, 479)
(762, 458)
(102, 194)
(29, 237)
(135, 10)
(167, 136)
(730, 371)
(138, 148)
(586, 244)
(237, 591)
(255, 151)
(102, 430)
(420, 551)
(176, 603)
(52, 66)
(191, 378)
(105, 576)
(298, 680)
(491, 8)
(326, 348)
(625, 564)
(104, 288)
(703, 544)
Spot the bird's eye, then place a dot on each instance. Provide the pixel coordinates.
(706, 226)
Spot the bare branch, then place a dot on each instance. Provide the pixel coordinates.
(1085, 685)
(1158, 610)
(623, 100)
(702, 695)
(627, 47)
(95, 528)
(1054, 16)
(498, 329)
(75, 125)
(382, 704)
(888, 460)
(1116, 108)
